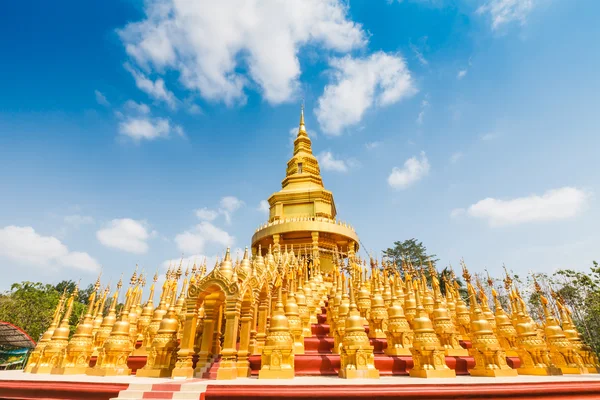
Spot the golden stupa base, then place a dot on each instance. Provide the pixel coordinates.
(373, 334)
(141, 352)
(542, 371)
(243, 371)
(397, 351)
(287, 373)
(370, 373)
(574, 370)
(70, 370)
(121, 371)
(182, 373)
(42, 369)
(154, 373)
(493, 373)
(227, 373)
(432, 373)
(511, 353)
(456, 352)
(299, 348)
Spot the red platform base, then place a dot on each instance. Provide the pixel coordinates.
(51, 390)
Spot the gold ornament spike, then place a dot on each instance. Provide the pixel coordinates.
(52, 353)
(144, 321)
(490, 358)
(506, 332)
(278, 354)
(364, 300)
(399, 334)
(427, 352)
(340, 323)
(293, 315)
(531, 347)
(562, 352)
(35, 355)
(77, 356)
(442, 322)
(378, 312)
(410, 303)
(163, 354)
(356, 357)
(588, 356)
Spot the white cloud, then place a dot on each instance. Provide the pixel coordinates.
(209, 42)
(414, 169)
(358, 84)
(263, 206)
(155, 89)
(505, 11)
(146, 128)
(455, 157)
(488, 136)
(461, 74)
(25, 245)
(194, 240)
(372, 145)
(419, 55)
(424, 106)
(329, 163)
(125, 234)
(78, 220)
(140, 108)
(101, 98)
(557, 204)
(229, 205)
(207, 214)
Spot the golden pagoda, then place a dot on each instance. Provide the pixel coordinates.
(303, 212)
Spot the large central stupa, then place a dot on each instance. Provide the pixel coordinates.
(303, 214)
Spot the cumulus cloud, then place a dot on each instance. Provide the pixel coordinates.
(329, 163)
(77, 220)
(556, 204)
(25, 245)
(206, 214)
(263, 206)
(139, 108)
(358, 84)
(101, 98)
(228, 205)
(125, 234)
(461, 74)
(488, 136)
(503, 12)
(155, 89)
(148, 128)
(424, 106)
(210, 43)
(194, 240)
(455, 157)
(414, 169)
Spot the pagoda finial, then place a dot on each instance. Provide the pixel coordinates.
(302, 127)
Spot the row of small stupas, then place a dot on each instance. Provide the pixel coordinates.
(266, 305)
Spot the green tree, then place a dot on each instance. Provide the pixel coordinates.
(415, 251)
(29, 306)
(410, 250)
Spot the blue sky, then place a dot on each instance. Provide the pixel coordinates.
(135, 132)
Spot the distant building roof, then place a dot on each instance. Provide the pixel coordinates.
(13, 336)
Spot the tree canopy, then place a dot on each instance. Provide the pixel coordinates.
(31, 305)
